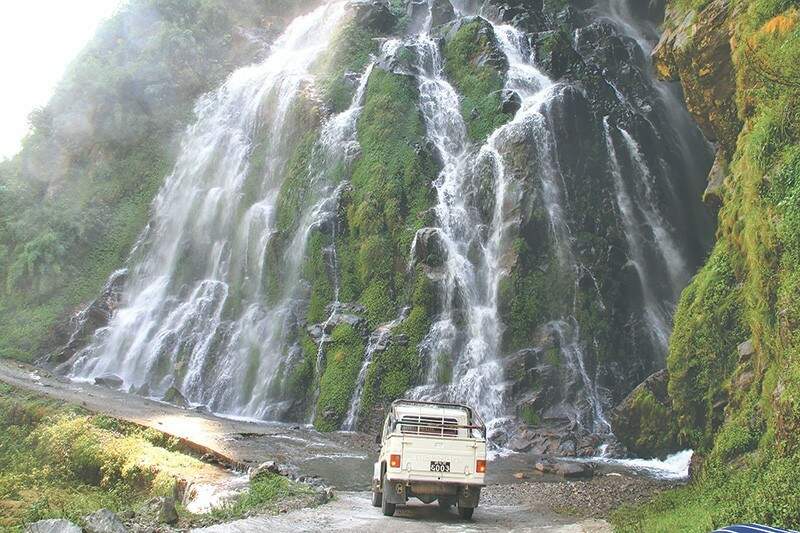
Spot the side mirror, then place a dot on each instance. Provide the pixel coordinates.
(378, 438)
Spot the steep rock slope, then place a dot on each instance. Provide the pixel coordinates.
(733, 361)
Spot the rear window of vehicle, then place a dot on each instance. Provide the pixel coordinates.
(429, 425)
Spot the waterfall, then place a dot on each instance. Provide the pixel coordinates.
(654, 310)
(378, 341)
(216, 295)
(208, 237)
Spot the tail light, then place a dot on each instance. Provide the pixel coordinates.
(480, 466)
(394, 461)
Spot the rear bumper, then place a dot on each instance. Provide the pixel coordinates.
(398, 491)
(411, 478)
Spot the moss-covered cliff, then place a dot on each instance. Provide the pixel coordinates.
(734, 372)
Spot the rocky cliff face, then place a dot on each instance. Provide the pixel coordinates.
(732, 368)
(488, 202)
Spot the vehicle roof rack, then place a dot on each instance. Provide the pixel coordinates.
(438, 404)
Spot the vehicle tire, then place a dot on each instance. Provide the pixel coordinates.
(387, 508)
(465, 512)
(377, 499)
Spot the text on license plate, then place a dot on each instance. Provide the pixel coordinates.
(440, 466)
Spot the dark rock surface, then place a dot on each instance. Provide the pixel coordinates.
(373, 14)
(175, 397)
(103, 521)
(78, 332)
(111, 381)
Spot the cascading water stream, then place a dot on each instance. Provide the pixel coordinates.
(654, 311)
(207, 238)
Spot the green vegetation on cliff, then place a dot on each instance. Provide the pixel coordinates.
(476, 68)
(738, 403)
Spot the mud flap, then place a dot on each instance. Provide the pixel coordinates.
(468, 496)
(395, 492)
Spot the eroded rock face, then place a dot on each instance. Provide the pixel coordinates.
(696, 50)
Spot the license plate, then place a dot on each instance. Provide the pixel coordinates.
(440, 466)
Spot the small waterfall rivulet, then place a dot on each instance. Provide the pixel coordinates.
(566, 233)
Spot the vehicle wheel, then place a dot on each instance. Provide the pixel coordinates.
(465, 512)
(377, 499)
(387, 508)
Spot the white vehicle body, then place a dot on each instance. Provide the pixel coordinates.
(430, 451)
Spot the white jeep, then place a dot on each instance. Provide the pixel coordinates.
(430, 451)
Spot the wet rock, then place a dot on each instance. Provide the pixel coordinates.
(144, 390)
(77, 333)
(52, 526)
(103, 521)
(696, 49)
(714, 193)
(429, 250)
(442, 12)
(511, 102)
(568, 470)
(110, 381)
(175, 397)
(401, 61)
(526, 14)
(373, 14)
(554, 53)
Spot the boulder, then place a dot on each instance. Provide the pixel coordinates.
(428, 248)
(267, 467)
(511, 102)
(746, 350)
(324, 494)
(525, 14)
(110, 381)
(52, 526)
(175, 397)
(644, 422)
(164, 510)
(568, 470)
(714, 193)
(103, 521)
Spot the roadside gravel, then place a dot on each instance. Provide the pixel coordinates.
(595, 498)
